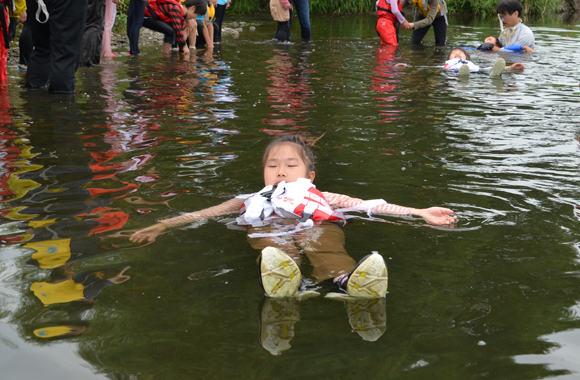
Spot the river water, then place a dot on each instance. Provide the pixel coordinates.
(149, 137)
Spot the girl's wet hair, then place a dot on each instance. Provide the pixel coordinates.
(200, 6)
(467, 55)
(497, 43)
(301, 145)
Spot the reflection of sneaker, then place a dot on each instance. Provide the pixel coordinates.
(277, 323)
(279, 274)
(463, 71)
(367, 317)
(497, 68)
(369, 279)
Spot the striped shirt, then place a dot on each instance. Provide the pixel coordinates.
(170, 13)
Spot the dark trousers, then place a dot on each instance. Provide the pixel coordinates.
(218, 20)
(93, 37)
(161, 27)
(283, 31)
(25, 44)
(135, 17)
(12, 28)
(439, 27)
(57, 44)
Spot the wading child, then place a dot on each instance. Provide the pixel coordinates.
(281, 11)
(388, 15)
(290, 216)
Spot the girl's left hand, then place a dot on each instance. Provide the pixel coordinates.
(436, 215)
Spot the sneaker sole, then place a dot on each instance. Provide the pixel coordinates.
(497, 68)
(280, 275)
(463, 71)
(369, 279)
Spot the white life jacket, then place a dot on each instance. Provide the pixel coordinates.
(455, 63)
(298, 200)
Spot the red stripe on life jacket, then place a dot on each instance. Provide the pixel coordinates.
(314, 203)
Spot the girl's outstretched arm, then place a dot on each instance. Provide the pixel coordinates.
(150, 233)
(433, 215)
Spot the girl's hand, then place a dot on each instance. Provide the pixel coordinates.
(148, 234)
(436, 215)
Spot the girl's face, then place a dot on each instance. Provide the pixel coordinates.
(285, 164)
(457, 54)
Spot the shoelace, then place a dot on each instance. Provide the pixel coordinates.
(41, 8)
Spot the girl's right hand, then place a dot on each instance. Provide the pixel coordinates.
(149, 233)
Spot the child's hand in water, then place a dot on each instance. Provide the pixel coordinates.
(517, 67)
(436, 215)
(149, 233)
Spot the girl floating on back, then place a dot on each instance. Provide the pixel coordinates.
(290, 217)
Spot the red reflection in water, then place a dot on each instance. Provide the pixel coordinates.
(386, 80)
(288, 91)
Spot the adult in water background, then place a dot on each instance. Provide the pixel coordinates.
(431, 13)
(515, 32)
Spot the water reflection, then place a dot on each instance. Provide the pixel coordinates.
(289, 91)
(386, 82)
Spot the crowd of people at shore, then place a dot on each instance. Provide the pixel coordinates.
(59, 36)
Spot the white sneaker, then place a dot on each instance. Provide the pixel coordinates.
(369, 279)
(497, 68)
(463, 71)
(279, 274)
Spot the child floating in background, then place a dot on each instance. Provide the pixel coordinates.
(492, 43)
(388, 15)
(459, 61)
(290, 217)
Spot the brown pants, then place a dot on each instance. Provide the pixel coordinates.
(323, 244)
